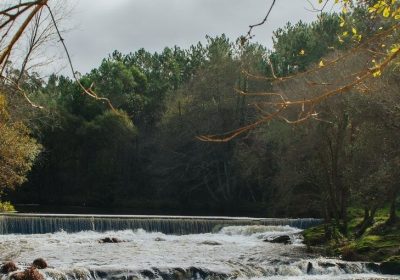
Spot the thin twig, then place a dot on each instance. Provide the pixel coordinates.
(368, 73)
(251, 27)
(88, 91)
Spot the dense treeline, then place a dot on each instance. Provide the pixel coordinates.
(145, 155)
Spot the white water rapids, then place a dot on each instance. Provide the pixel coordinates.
(234, 252)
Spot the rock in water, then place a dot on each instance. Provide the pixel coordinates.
(309, 267)
(33, 274)
(39, 263)
(110, 240)
(29, 274)
(18, 276)
(327, 264)
(374, 267)
(212, 243)
(284, 239)
(390, 267)
(8, 267)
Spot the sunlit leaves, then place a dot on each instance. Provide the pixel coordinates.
(342, 21)
(385, 12)
(17, 150)
(395, 48)
(377, 73)
(347, 25)
(386, 8)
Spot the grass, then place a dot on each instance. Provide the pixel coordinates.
(314, 236)
(380, 242)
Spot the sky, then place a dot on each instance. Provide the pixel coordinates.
(102, 26)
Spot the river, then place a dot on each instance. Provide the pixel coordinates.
(226, 252)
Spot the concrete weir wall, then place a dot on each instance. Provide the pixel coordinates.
(48, 223)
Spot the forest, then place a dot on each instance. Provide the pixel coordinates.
(150, 144)
(144, 154)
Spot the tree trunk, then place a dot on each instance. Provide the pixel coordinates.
(210, 191)
(365, 219)
(392, 214)
(327, 225)
(343, 210)
(367, 222)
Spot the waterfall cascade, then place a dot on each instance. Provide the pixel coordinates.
(159, 247)
(50, 223)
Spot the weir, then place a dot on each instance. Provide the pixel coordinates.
(49, 223)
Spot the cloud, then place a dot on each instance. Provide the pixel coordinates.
(127, 25)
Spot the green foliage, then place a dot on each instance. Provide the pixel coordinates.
(17, 150)
(379, 243)
(110, 123)
(377, 247)
(314, 236)
(298, 46)
(6, 206)
(147, 150)
(123, 85)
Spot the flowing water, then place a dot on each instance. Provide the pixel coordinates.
(231, 249)
(49, 223)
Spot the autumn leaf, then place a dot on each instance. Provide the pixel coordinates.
(377, 74)
(386, 12)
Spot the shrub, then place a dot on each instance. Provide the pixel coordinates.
(6, 206)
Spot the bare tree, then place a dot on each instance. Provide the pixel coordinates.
(296, 98)
(26, 27)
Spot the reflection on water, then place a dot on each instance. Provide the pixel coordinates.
(234, 252)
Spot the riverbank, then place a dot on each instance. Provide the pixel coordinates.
(379, 243)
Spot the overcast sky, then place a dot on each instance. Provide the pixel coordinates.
(102, 26)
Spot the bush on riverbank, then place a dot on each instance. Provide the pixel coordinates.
(6, 206)
(379, 243)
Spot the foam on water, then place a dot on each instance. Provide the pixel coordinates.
(234, 252)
